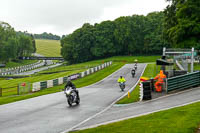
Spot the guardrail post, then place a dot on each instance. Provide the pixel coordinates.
(166, 86)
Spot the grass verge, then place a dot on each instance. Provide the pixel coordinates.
(88, 80)
(178, 120)
(149, 72)
(131, 59)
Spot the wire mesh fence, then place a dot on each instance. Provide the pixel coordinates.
(20, 89)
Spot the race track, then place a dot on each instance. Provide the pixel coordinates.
(51, 113)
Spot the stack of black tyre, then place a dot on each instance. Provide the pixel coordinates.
(146, 90)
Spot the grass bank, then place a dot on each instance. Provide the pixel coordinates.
(178, 120)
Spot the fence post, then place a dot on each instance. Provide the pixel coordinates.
(0, 92)
(18, 89)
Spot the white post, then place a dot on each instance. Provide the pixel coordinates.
(164, 49)
(192, 60)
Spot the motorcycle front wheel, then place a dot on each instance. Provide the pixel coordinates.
(70, 100)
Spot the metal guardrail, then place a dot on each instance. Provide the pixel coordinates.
(183, 81)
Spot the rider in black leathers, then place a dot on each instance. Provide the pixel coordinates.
(70, 84)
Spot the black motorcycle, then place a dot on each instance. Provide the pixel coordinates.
(122, 85)
(135, 67)
(72, 96)
(133, 73)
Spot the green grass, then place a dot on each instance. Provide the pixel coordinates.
(76, 68)
(149, 72)
(62, 71)
(49, 48)
(20, 63)
(79, 83)
(178, 120)
(131, 59)
(196, 67)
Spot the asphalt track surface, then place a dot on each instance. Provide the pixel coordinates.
(39, 69)
(51, 113)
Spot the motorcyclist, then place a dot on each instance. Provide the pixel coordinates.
(133, 71)
(122, 80)
(135, 66)
(70, 84)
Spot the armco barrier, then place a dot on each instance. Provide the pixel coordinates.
(183, 81)
(50, 83)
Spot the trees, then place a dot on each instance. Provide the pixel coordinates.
(46, 35)
(12, 45)
(131, 35)
(182, 23)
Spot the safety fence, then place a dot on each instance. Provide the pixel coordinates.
(37, 86)
(183, 81)
(21, 88)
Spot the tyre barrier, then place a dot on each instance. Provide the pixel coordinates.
(37, 86)
(145, 90)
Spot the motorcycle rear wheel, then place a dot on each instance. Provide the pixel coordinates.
(78, 101)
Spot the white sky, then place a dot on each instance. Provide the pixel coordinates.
(62, 17)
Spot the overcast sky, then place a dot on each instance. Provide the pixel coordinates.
(62, 17)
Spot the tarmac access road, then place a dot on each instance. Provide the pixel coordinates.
(51, 113)
(123, 112)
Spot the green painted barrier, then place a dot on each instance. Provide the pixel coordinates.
(43, 85)
(65, 79)
(183, 81)
(55, 82)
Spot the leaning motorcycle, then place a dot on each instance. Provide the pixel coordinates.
(72, 96)
(122, 86)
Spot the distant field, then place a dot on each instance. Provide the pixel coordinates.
(49, 48)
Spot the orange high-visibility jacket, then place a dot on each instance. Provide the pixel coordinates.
(160, 77)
